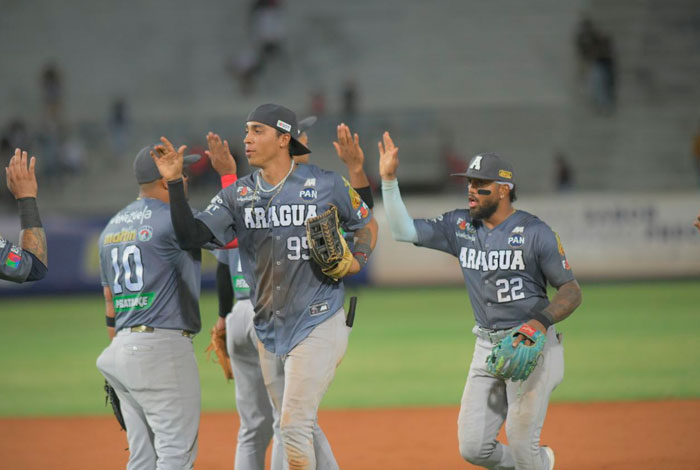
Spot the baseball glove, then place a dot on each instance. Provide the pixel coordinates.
(327, 245)
(218, 345)
(113, 400)
(516, 363)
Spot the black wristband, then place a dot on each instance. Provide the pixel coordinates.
(111, 321)
(543, 318)
(28, 213)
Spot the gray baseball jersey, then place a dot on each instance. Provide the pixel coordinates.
(241, 289)
(506, 269)
(290, 293)
(153, 281)
(15, 263)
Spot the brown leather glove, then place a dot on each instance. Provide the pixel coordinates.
(218, 345)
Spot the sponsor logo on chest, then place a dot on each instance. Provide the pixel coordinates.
(503, 260)
(308, 194)
(119, 237)
(284, 215)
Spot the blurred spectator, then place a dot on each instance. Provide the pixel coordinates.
(349, 98)
(52, 91)
(118, 124)
(597, 65)
(72, 155)
(318, 103)
(266, 39)
(200, 173)
(604, 70)
(563, 174)
(696, 152)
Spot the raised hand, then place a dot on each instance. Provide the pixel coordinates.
(168, 160)
(348, 148)
(220, 155)
(697, 221)
(21, 179)
(388, 158)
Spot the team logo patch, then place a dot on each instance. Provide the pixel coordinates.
(565, 264)
(462, 224)
(516, 240)
(559, 245)
(242, 190)
(283, 125)
(310, 183)
(363, 212)
(505, 174)
(145, 233)
(318, 309)
(13, 260)
(308, 194)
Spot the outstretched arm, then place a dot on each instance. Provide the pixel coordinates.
(191, 233)
(350, 153)
(400, 222)
(21, 181)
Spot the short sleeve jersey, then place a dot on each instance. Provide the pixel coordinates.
(153, 281)
(231, 258)
(289, 292)
(506, 269)
(15, 263)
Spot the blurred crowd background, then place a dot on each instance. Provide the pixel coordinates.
(588, 98)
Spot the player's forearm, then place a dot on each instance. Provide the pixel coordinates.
(400, 222)
(364, 241)
(564, 302)
(109, 312)
(358, 177)
(33, 236)
(190, 234)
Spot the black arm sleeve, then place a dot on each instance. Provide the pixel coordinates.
(366, 195)
(224, 289)
(191, 233)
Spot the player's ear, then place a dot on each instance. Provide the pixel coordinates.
(284, 140)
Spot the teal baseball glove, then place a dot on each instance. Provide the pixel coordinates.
(516, 363)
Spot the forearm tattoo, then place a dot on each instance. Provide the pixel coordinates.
(34, 240)
(564, 302)
(363, 237)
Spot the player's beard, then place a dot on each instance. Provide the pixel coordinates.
(484, 211)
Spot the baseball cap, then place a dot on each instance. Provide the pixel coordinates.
(306, 123)
(145, 168)
(282, 119)
(489, 166)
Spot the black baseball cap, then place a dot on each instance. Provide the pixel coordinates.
(145, 168)
(284, 120)
(489, 166)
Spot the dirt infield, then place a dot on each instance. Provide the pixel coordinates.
(599, 436)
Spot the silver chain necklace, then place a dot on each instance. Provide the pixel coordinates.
(277, 188)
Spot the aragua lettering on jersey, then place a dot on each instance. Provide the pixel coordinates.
(284, 215)
(504, 260)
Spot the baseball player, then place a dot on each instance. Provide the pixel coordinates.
(299, 317)
(507, 258)
(256, 413)
(151, 287)
(29, 260)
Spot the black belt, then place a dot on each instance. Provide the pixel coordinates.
(150, 329)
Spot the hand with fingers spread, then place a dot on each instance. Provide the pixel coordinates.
(220, 155)
(168, 160)
(21, 178)
(388, 158)
(348, 148)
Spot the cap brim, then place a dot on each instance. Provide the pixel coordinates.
(306, 123)
(190, 159)
(297, 148)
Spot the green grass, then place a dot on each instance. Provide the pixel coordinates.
(409, 347)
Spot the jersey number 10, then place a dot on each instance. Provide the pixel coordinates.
(131, 266)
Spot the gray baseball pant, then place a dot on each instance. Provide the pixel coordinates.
(156, 379)
(297, 382)
(489, 401)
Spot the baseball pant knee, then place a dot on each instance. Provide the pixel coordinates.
(298, 444)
